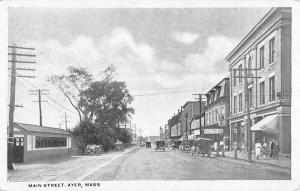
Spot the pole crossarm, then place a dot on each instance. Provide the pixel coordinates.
(245, 69)
(245, 77)
(20, 47)
(22, 76)
(23, 61)
(28, 69)
(18, 54)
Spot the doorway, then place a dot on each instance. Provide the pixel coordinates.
(18, 150)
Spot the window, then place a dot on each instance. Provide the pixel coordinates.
(234, 77)
(212, 116)
(249, 71)
(44, 142)
(271, 50)
(222, 90)
(240, 73)
(240, 102)
(262, 57)
(222, 115)
(234, 104)
(250, 97)
(216, 115)
(272, 88)
(262, 93)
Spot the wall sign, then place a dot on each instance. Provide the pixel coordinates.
(213, 131)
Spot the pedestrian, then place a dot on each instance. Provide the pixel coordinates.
(222, 148)
(257, 150)
(272, 148)
(264, 149)
(276, 150)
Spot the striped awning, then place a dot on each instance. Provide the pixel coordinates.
(267, 124)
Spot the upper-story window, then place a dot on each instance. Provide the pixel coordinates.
(250, 92)
(262, 57)
(271, 50)
(234, 104)
(272, 88)
(240, 73)
(262, 93)
(234, 77)
(240, 102)
(249, 66)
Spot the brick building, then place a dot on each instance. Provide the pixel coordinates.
(190, 110)
(267, 49)
(216, 112)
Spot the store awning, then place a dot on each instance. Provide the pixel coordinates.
(267, 124)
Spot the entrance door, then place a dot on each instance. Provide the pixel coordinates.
(18, 151)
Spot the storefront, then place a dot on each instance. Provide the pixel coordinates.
(265, 129)
(216, 133)
(195, 129)
(238, 135)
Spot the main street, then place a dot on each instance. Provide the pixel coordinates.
(139, 163)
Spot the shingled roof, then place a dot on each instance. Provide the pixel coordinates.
(42, 129)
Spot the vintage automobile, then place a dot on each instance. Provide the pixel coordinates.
(186, 145)
(94, 149)
(160, 146)
(176, 144)
(119, 147)
(202, 146)
(148, 145)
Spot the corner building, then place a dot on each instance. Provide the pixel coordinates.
(266, 54)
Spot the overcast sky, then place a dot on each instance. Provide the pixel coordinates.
(163, 55)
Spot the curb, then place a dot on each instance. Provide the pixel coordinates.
(261, 162)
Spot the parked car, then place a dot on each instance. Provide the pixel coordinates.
(160, 146)
(94, 149)
(176, 144)
(186, 145)
(203, 146)
(119, 147)
(148, 145)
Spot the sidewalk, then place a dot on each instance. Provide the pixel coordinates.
(283, 162)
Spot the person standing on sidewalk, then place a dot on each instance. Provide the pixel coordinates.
(272, 148)
(264, 149)
(276, 150)
(222, 147)
(257, 150)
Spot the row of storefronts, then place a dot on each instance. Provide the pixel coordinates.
(257, 90)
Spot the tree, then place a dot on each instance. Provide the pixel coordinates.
(72, 85)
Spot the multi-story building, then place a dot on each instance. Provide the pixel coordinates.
(174, 126)
(265, 53)
(216, 112)
(190, 110)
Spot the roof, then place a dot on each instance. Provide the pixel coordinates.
(254, 29)
(188, 102)
(218, 84)
(41, 129)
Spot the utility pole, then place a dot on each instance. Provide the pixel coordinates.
(66, 121)
(39, 93)
(12, 105)
(186, 134)
(200, 109)
(248, 127)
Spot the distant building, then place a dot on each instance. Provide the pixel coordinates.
(33, 142)
(216, 112)
(174, 126)
(267, 49)
(189, 111)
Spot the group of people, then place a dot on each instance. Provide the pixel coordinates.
(262, 149)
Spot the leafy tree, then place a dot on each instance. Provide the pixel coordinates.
(72, 85)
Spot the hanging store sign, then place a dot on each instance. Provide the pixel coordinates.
(213, 131)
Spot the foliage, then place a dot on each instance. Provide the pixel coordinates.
(103, 104)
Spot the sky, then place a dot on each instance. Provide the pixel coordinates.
(163, 54)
